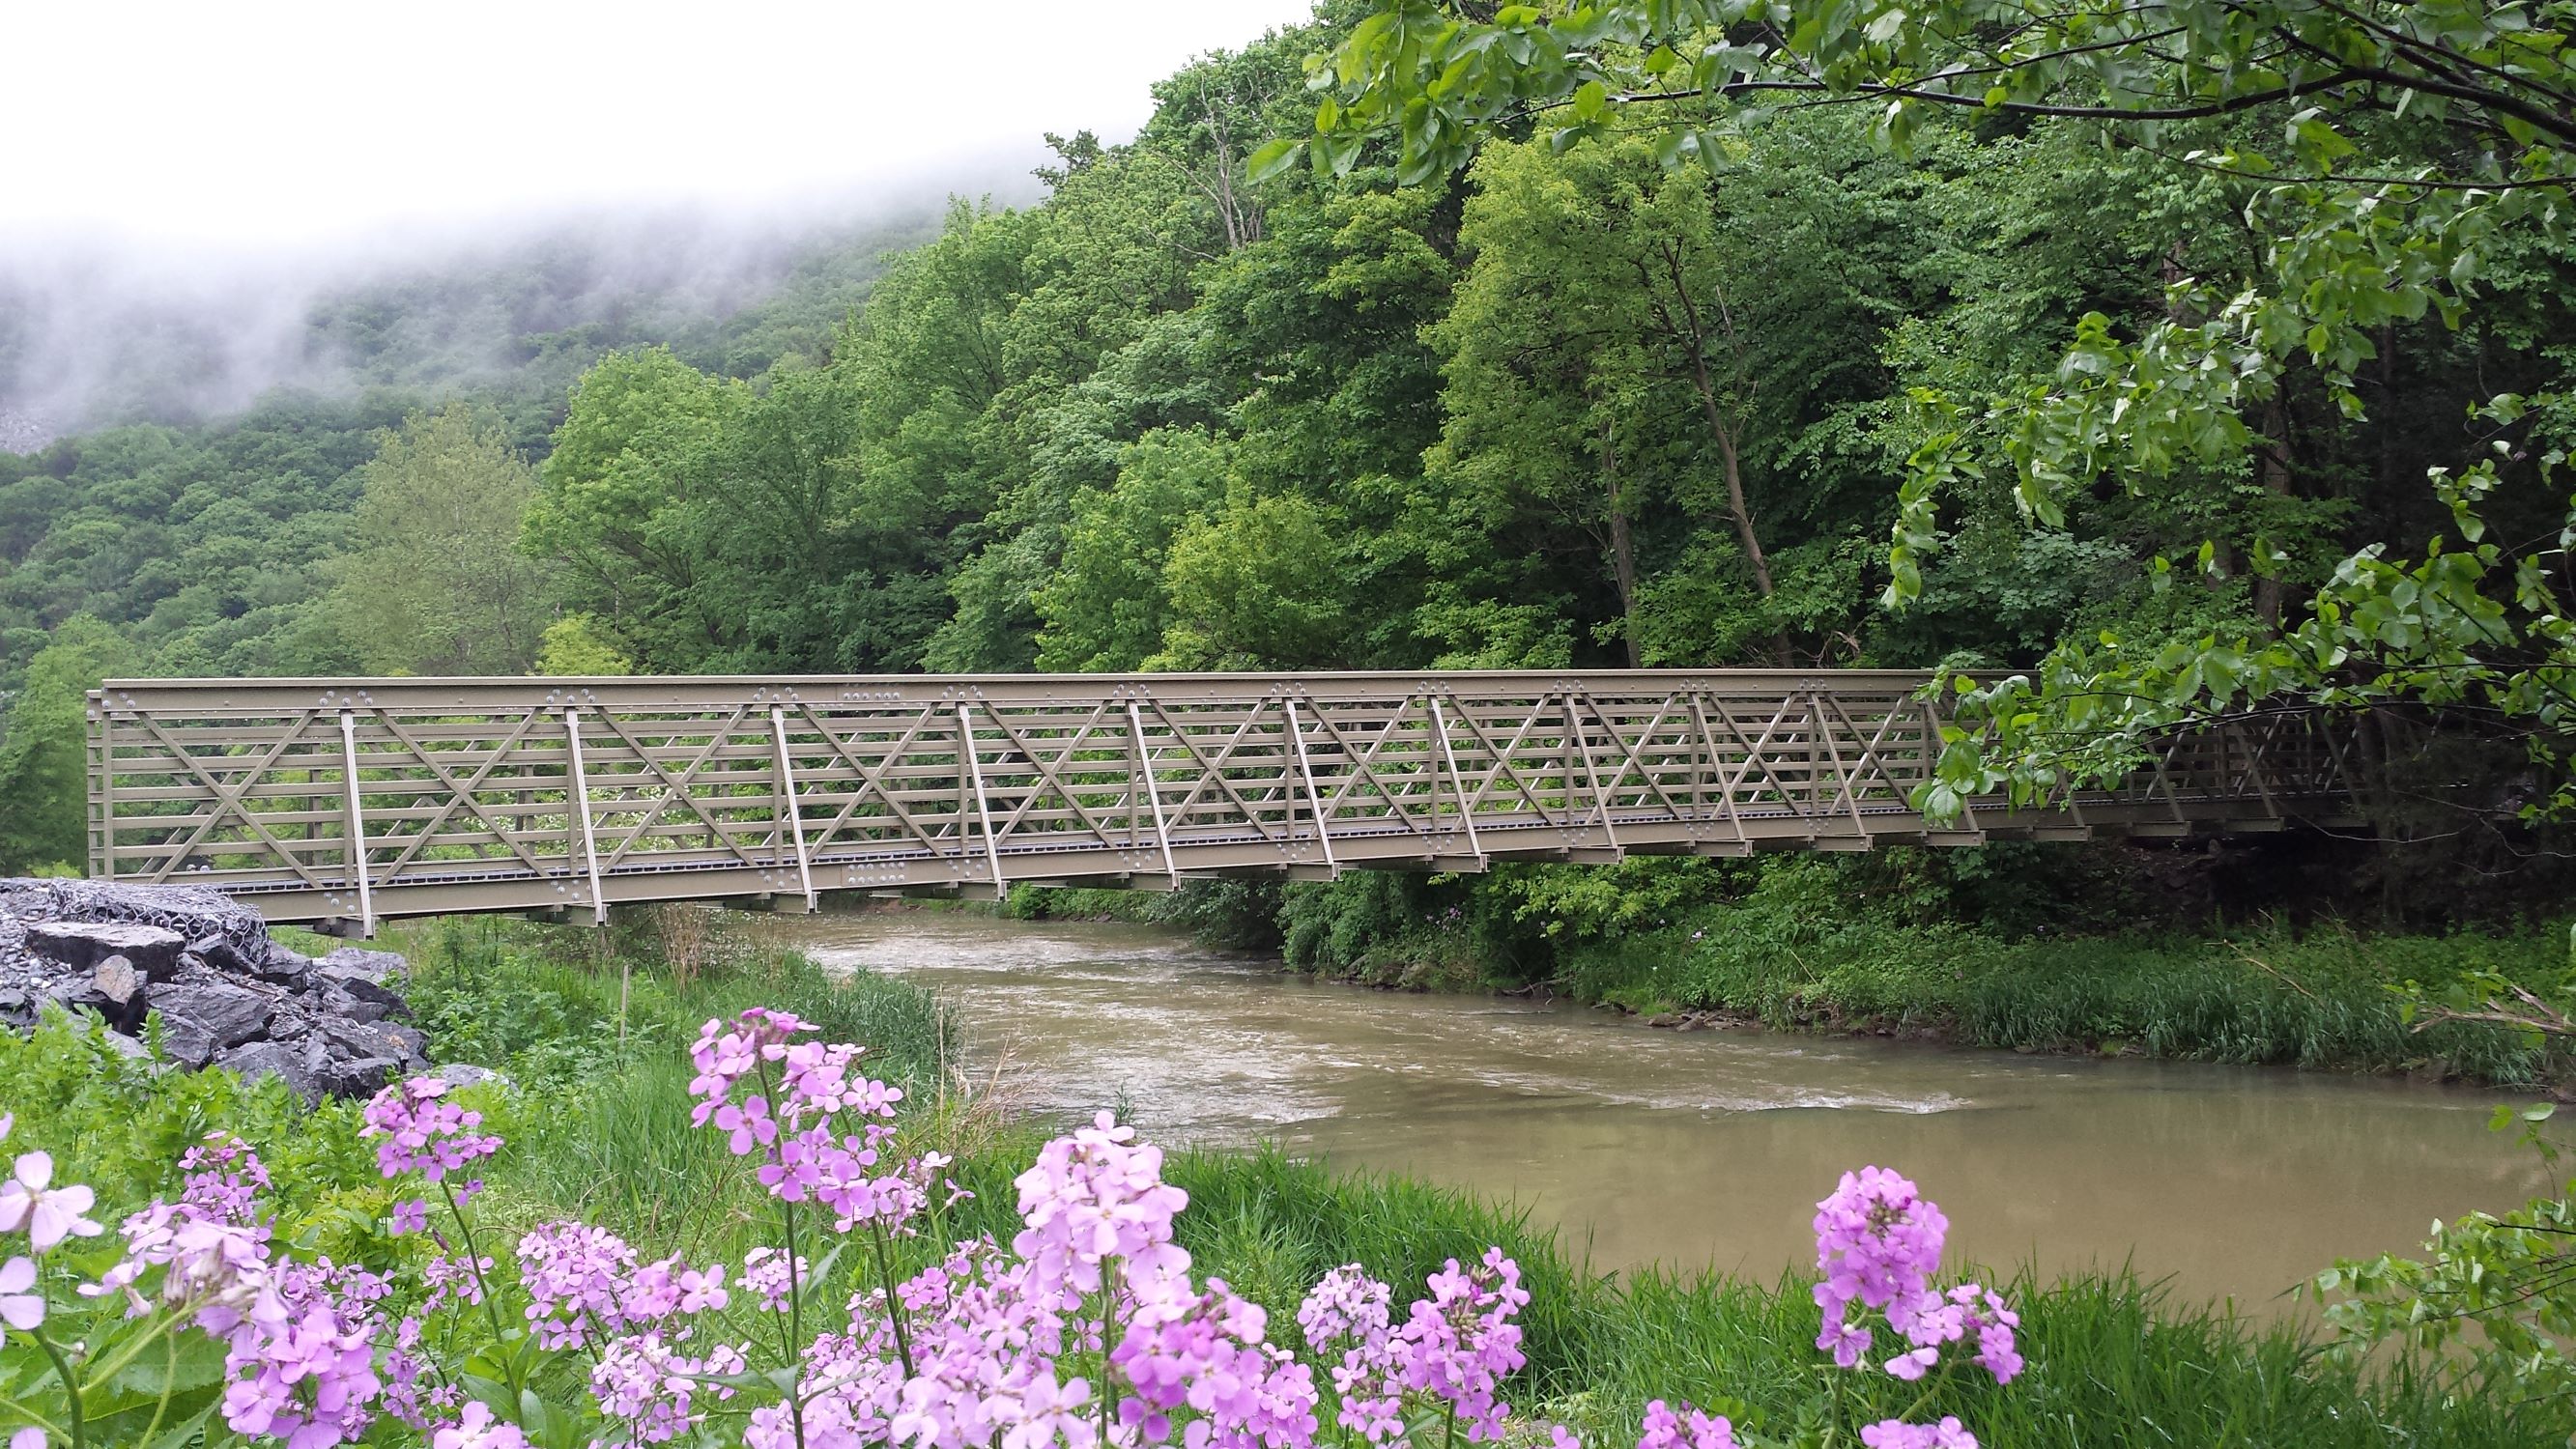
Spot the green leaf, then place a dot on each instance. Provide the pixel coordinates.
(1276, 157)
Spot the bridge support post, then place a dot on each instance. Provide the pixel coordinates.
(1153, 791)
(983, 802)
(578, 802)
(791, 818)
(1314, 800)
(357, 826)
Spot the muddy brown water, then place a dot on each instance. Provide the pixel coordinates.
(1707, 1148)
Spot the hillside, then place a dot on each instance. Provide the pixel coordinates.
(178, 462)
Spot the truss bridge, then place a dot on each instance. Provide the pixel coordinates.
(345, 802)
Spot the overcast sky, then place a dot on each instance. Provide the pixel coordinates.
(266, 127)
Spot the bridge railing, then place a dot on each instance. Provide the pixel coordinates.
(356, 799)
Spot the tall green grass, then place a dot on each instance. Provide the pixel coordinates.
(551, 1004)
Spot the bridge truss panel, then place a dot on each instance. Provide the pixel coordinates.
(365, 799)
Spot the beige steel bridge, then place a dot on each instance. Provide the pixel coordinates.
(345, 802)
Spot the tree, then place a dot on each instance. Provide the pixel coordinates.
(2393, 157)
(1107, 605)
(435, 583)
(575, 645)
(44, 754)
(1255, 586)
(615, 492)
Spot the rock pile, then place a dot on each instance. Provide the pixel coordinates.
(226, 994)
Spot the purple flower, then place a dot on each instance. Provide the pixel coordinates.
(476, 1429)
(20, 1308)
(1897, 1434)
(411, 1215)
(50, 1214)
(1096, 1195)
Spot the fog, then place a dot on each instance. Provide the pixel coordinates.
(218, 192)
(127, 331)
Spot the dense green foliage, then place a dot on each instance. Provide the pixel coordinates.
(357, 522)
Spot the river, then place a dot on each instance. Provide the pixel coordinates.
(1708, 1147)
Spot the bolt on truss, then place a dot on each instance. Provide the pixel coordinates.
(353, 801)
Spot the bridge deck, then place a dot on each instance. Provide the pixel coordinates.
(349, 801)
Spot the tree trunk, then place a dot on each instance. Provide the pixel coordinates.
(2275, 450)
(1623, 549)
(1736, 507)
(1694, 337)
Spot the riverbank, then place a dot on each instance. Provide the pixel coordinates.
(1808, 944)
(597, 1126)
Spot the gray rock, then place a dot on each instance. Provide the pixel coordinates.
(83, 944)
(466, 1074)
(372, 1039)
(118, 981)
(219, 952)
(187, 1044)
(229, 1014)
(338, 1003)
(358, 1076)
(284, 968)
(364, 990)
(355, 961)
(80, 993)
(125, 1046)
(300, 1067)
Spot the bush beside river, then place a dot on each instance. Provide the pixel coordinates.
(596, 1123)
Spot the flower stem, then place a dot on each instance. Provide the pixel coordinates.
(894, 1305)
(491, 1306)
(169, 1373)
(129, 1351)
(795, 1274)
(71, 1385)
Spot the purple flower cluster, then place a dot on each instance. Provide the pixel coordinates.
(1206, 1352)
(1094, 1195)
(29, 1201)
(47, 1214)
(584, 1286)
(1878, 1244)
(299, 1337)
(423, 1132)
(1893, 1434)
(806, 1153)
(1686, 1428)
(1453, 1348)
